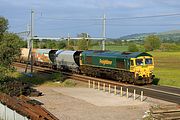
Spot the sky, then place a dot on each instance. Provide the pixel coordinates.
(57, 18)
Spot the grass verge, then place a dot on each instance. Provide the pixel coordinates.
(55, 79)
(167, 68)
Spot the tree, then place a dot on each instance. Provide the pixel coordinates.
(23, 44)
(61, 44)
(82, 44)
(50, 44)
(9, 46)
(71, 42)
(3, 25)
(152, 42)
(132, 47)
(36, 43)
(84, 35)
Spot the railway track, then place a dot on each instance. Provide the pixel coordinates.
(170, 94)
(168, 112)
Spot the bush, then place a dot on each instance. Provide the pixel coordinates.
(69, 48)
(68, 83)
(57, 77)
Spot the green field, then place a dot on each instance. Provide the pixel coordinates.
(111, 47)
(167, 68)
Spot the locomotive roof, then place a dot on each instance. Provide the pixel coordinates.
(115, 54)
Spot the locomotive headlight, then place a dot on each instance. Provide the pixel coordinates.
(137, 72)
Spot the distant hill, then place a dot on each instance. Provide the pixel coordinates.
(170, 32)
(136, 36)
(173, 35)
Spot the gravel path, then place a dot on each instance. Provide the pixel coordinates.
(68, 106)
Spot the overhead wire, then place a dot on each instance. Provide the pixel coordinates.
(150, 16)
(85, 25)
(143, 24)
(118, 18)
(113, 18)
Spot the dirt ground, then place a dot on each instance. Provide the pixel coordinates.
(82, 103)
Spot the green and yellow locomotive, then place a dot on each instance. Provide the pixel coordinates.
(135, 67)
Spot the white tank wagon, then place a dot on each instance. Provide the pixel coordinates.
(68, 60)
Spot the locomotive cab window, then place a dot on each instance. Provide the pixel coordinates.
(132, 63)
(148, 61)
(139, 61)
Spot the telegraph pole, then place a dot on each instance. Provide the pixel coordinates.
(31, 48)
(104, 32)
(87, 41)
(28, 36)
(31, 43)
(68, 39)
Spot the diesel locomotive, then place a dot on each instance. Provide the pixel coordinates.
(131, 67)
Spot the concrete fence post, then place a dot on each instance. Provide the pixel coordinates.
(109, 88)
(98, 86)
(104, 87)
(141, 96)
(134, 94)
(93, 84)
(127, 94)
(121, 92)
(89, 83)
(115, 90)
